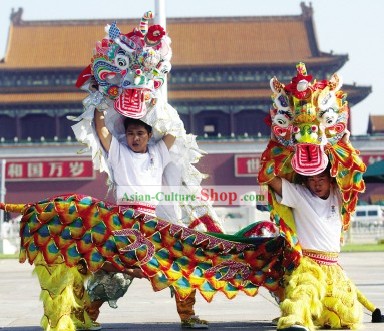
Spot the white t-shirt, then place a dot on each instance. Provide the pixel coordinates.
(138, 176)
(318, 221)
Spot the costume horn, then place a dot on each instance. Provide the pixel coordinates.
(144, 22)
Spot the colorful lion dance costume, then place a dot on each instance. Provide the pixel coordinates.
(71, 236)
(308, 120)
(125, 78)
(308, 123)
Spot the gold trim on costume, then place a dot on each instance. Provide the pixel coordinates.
(326, 258)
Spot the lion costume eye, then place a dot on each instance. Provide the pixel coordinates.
(328, 117)
(296, 129)
(281, 120)
(121, 61)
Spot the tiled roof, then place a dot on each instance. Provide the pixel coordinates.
(376, 198)
(280, 41)
(195, 41)
(21, 98)
(376, 123)
(239, 42)
(195, 95)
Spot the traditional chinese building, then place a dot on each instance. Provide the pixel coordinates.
(219, 83)
(375, 124)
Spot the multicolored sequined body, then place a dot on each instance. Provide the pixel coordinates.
(74, 228)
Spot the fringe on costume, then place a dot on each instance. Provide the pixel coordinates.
(320, 295)
(62, 296)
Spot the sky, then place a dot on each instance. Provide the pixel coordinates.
(350, 27)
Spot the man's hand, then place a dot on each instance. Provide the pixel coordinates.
(102, 131)
(346, 136)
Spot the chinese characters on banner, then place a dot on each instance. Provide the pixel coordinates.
(247, 165)
(372, 158)
(49, 169)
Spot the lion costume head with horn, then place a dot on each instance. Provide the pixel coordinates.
(309, 119)
(129, 69)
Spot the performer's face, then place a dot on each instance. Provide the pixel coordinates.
(320, 185)
(137, 138)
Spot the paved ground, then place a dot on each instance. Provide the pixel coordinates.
(143, 309)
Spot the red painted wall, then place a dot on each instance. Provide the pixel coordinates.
(32, 191)
(221, 170)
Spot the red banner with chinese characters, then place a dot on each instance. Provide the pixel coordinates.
(372, 157)
(49, 169)
(247, 165)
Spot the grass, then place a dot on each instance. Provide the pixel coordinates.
(363, 248)
(9, 256)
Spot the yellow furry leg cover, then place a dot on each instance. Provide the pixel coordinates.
(304, 291)
(320, 296)
(56, 284)
(342, 309)
(79, 313)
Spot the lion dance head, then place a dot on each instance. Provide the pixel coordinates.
(308, 121)
(128, 69)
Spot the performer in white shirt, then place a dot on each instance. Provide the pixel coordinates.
(317, 292)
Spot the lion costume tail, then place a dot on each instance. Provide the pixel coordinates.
(377, 317)
(13, 208)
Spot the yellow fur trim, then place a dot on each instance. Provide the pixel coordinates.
(320, 296)
(59, 286)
